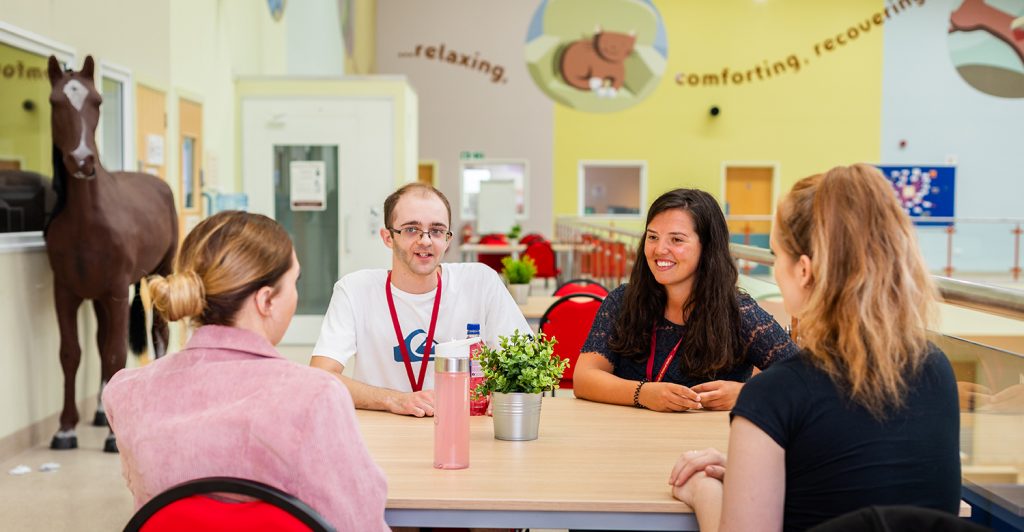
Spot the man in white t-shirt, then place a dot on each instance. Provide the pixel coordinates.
(388, 325)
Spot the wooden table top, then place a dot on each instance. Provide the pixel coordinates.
(589, 457)
(536, 306)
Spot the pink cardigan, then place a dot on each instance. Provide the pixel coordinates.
(230, 405)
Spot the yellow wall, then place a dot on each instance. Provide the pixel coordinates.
(361, 59)
(828, 113)
(26, 134)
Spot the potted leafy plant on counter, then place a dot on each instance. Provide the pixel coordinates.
(513, 234)
(515, 374)
(519, 273)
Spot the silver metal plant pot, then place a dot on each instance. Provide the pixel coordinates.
(516, 415)
(520, 292)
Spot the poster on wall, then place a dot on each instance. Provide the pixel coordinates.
(923, 191)
(155, 150)
(308, 186)
(986, 45)
(597, 56)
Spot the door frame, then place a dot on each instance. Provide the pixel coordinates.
(123, 75)
(284, 120)
(189, 217)
(776, 179)
(435, 168)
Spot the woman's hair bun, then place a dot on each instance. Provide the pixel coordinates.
(179, 295)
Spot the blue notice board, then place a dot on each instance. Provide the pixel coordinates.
(923, 190)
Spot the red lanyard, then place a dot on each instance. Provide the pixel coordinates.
(417, 385)
(650, 359)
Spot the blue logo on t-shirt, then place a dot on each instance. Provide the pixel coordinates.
(415, 355)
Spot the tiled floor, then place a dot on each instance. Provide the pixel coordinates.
(86, 493)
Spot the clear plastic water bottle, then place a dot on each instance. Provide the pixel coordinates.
(477, 407)
(451, 405)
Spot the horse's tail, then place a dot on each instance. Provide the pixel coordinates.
(137, 322)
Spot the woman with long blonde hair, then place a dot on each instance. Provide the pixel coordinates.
(867, 413)
(228, 404)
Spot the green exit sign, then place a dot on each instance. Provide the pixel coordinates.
(466, 155)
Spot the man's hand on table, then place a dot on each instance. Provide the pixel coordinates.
(417, 404)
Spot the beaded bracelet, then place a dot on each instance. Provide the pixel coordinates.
(636, 394)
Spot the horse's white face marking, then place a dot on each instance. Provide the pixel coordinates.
(76, 93)
(82, 150)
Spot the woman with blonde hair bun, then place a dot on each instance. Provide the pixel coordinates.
(867, 413)
(229, 404)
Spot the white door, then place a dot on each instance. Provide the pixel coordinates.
(350, 142)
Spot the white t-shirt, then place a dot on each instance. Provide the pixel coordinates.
(358, 321)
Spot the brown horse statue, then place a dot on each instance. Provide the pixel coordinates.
(108, 231)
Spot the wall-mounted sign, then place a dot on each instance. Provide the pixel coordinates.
(308, 185)
(155, 150)
(596, 55)
(469, 155)
(923, 190)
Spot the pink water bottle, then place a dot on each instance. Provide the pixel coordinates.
(451, 405)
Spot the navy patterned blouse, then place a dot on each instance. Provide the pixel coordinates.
(765, 343)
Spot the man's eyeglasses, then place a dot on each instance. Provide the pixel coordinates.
(412, 234)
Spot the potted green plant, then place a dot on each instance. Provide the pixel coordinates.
(515, 374)
(519, 273)
(513, 234)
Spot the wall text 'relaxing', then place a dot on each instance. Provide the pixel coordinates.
(496, 73)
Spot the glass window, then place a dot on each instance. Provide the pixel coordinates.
(25, 142)
(188, 174)
(612, 189)
(112, 116)
(474, 173)
(314, 232)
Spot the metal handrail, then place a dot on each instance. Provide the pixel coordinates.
(915, 219)
(991, 299)
(987, 298)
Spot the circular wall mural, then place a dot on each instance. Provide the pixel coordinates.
(596, 55)
(986, 44)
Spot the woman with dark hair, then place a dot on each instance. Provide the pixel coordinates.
(680, 335)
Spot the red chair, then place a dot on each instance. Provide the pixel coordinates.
(578, 286)
(493, 259)
(188, 506)
(568, 320)
(544, 257)
(531, 238)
